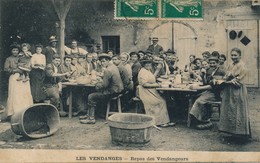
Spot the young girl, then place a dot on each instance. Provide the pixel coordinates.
(24, 63)
(19, 93)
(38, 62)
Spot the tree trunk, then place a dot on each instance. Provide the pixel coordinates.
(62, 8)
(62, 38)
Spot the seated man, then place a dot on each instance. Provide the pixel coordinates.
(74, 61)
(65, 67)
(199, 110)
(97, 65)
(187, 67)
(110, 86)
(172, 60)
(127, 81)
(89, 65)
(52, 78)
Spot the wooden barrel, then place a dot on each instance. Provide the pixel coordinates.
(130, 128)
(37, 121)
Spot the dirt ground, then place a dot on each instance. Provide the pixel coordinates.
(73, 135)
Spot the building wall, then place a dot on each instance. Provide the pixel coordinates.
(96, 18)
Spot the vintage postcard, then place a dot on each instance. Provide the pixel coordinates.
(129, 81)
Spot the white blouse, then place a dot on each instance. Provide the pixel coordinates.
(38, 59)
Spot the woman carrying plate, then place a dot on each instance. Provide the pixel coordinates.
(38, 62)
(234, 116)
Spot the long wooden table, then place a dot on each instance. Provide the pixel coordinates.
(190, 92)
(71, 85)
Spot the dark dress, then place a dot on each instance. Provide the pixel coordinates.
(234, 116)
(37, 76)
(199, 109)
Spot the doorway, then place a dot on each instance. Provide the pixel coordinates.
(246, 39)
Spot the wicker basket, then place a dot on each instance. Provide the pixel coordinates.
(130, 128)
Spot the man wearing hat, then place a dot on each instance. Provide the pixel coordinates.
(110, 86)
(199, 111)
(51, 50)
(155, 48)
(52, 78)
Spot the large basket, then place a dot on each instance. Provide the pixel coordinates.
(130, 128)
(37, 121)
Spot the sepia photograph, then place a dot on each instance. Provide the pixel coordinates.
(129, 80)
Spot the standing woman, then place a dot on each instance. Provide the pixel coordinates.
(19, 92)
(234, 116)
(38, 62)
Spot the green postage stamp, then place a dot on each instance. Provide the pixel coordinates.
(157, 9)
(181, 9)
(141, 9)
